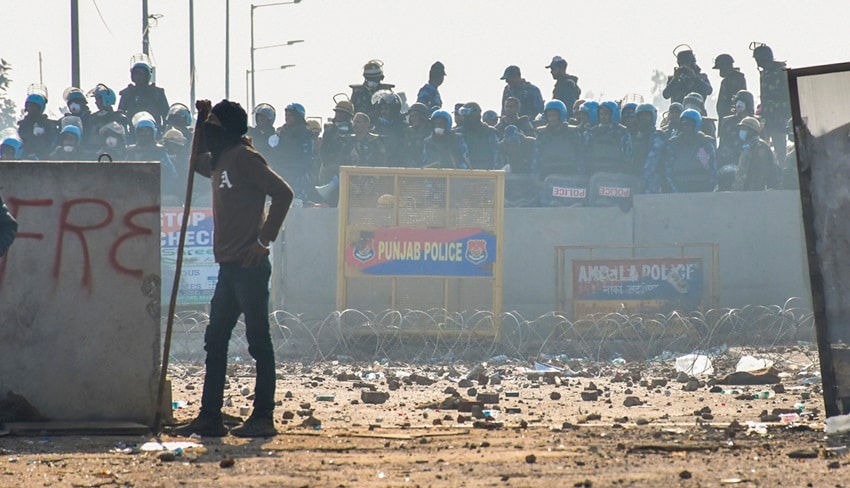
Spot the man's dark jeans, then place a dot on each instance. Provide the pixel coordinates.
(240, 291)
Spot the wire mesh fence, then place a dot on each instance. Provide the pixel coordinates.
(438, 336)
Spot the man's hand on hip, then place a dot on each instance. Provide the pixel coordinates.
(254, 254)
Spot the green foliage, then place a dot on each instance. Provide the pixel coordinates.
(8, 117)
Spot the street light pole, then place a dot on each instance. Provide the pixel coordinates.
(251, 73)
(254, 7)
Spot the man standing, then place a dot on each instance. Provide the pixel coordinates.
(733, 82)
(530, 99)
(757, 169)
(429, 95)
(566, 86)
(8, 228)
(687, 77)
(775, 100)
(142, 95)
(241, 181)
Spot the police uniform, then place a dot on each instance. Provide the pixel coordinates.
(366, 151)
(608, 149)
(530, 99)
(361, 97)
(144, 98)
(686, 81)
(691, 163)
(775, 103)
(757, 169)
(557, 150)
(732, 83)
(446, 151)
(481, 141)
(567, 90)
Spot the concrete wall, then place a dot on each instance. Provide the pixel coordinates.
(760, 236)
(79, 296)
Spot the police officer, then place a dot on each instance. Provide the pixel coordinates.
(775, 100)
(38, 133)
(180, 118)
(70, 142)
(390, 127)
(690, 164)
(143, 96)
(530, 99)
(566, 85)
(757, 169)
(670, 122)
(558, 148)
(78, 107)
(364, 148)
(510, 116)
(295, 151)
(429, 94)
(334, 134)
(648, 144)
(104, 100)
(687, 77)
(608, 145)
(733, 82)
(444, 148)
(481, 139)
(729, 150)
(695, 101)
(417, 130)
(147, 149)
(11, 146)
(112, 139)
(263, 134)
(361, 95)
(515, 152)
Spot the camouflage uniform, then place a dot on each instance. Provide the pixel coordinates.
(38, 146)
(334, 138)
(446, 151)
(414, 144)
(757, 169)
(365, 151)
(558, 150)
(775, 104)
(429, 95)
(481, 142)
(648, 152)
(361, 97)
(517, 153)
(685, 81)
(608, 149)
(530, 99)
(690, 164)
(732, 83)
(522, 123)
(567, 90)
(294, 157)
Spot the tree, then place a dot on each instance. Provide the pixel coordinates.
(659, 81)
(8, 117)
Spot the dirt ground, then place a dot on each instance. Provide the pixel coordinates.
(541, 431)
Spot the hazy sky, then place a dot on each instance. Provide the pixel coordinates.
(612, 46)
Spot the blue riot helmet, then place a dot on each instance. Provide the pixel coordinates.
(691, 114)
(615, 110)
(37, 94)
(103, 95)
(144, 119)
(179, 115)
(442, 114)
(9, 138)
(647, 107)
(266, 111)
(592, 109)
(556, 105)
(297, 108)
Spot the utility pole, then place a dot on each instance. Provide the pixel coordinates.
(75, 44)
(145, 40)
(192, 54)
(227, 49)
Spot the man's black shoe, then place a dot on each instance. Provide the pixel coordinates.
(256, 427)
(204, 426)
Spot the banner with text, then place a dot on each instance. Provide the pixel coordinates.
(423, 252)
(200, 272)
(638, 285)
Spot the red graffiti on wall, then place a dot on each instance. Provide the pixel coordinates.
(100, 214)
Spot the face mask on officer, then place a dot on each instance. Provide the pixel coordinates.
(69, 141)
(111, 142)
(740, 107)
(371, 83)
(75, 108)
(440, 126)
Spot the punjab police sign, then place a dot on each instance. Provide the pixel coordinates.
(639, 285)
(426, 252)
